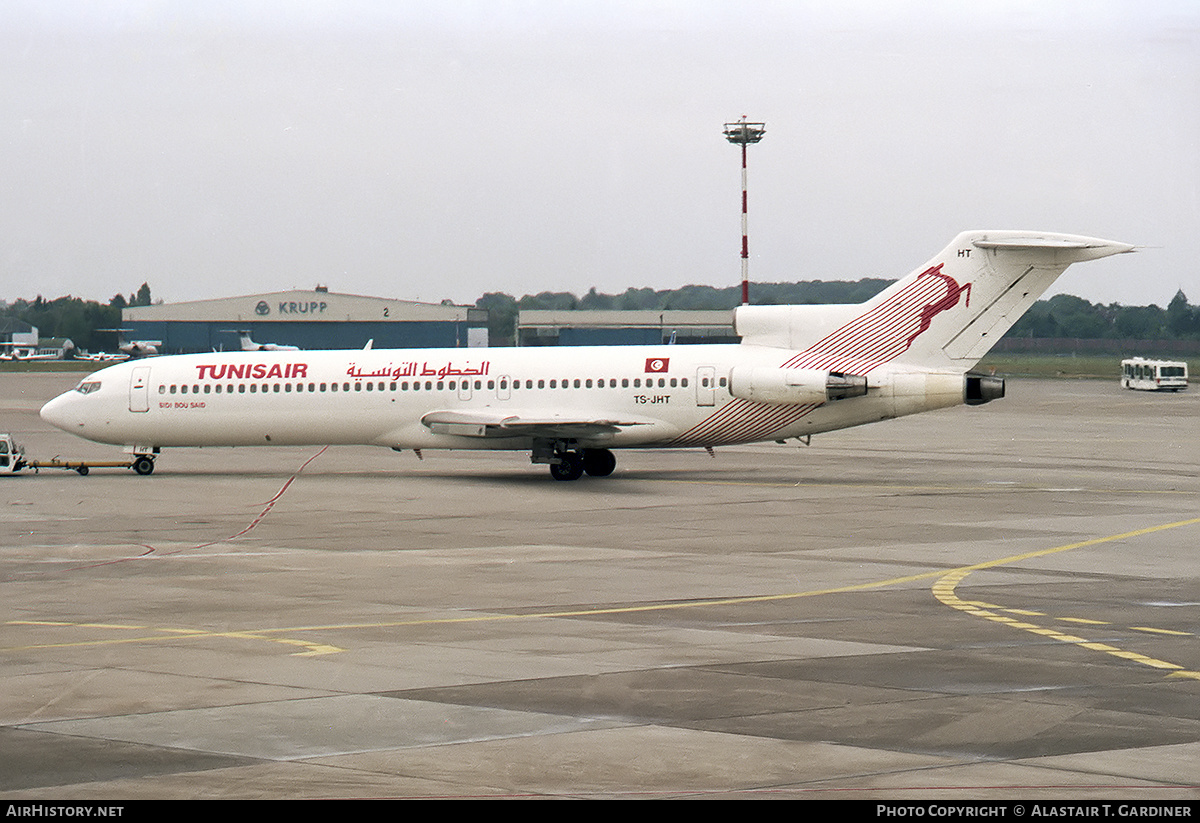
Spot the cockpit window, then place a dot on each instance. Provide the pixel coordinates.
(88, 386)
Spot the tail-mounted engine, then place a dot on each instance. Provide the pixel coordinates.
(794, 386)
(981, 388)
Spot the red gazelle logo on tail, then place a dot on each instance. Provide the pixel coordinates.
(887, 330)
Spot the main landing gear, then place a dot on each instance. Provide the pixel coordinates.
(142, 464)
(568, 463)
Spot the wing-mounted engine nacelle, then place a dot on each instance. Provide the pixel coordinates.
(763, 384)
(982, 388)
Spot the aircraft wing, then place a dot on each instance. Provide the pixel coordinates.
(490, 423)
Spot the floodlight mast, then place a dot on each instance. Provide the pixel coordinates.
(744, 134)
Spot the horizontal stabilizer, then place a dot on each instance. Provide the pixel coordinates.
(1072, 249)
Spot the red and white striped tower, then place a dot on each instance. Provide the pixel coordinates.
(744, 134)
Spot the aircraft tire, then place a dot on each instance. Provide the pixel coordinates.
(571, 467)
(599, 462)
(143, 465)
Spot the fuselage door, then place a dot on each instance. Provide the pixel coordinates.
(503, 389)
(139, 389)
(706, 379)
(464, 389)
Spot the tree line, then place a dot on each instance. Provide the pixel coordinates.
(76, 318)
(1061, 316)
(1065, 315)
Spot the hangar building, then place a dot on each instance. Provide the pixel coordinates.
(317, 319)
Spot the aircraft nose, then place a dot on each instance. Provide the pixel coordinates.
(58, 414)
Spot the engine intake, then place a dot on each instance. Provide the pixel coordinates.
(794, 386)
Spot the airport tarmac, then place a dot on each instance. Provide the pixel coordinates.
(976, 603)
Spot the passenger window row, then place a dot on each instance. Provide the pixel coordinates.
(428, 385)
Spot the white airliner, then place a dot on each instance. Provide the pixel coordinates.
(798, 371)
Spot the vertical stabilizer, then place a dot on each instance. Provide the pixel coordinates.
(948, 313)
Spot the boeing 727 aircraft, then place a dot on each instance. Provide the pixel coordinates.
(798, 371)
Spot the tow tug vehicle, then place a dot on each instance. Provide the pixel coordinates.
(14, 461)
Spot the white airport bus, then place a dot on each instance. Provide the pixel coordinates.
(1154, 375)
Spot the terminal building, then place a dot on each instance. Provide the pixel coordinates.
(317, 319)
(650, 327)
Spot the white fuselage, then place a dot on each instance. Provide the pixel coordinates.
(799, 370)
(668, 396)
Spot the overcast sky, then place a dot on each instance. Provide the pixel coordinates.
(429, 150)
